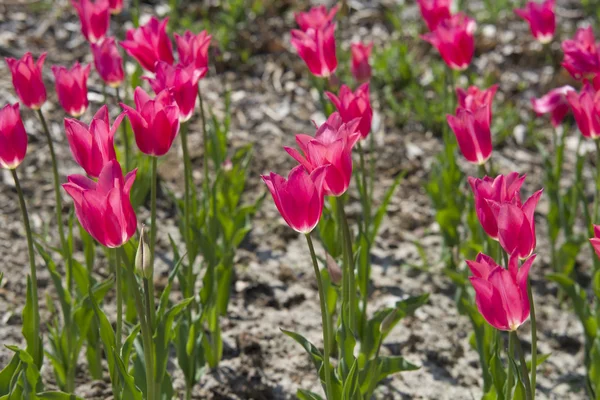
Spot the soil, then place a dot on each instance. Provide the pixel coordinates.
(271, 101)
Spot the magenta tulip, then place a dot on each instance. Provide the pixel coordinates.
(541, 19)
(454, 40)
(473, 134)
(360, 68)
(27, 80)
(149, 43)
(193, 50)
(115, 6)
(13, 138)
(595, 241)
(108, 61)
(474, 98)
(93, 146)
(501, 294)
(94, 17)
(317, 48)
(434, 12)
(299, 198)
(316, 18)
(353, 105)
(155, 122)
(582, 59)
(554, 102)
(586, 109)
(71, 88)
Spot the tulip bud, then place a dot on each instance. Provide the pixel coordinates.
(388, 321)
(142, 257)
(335, 272)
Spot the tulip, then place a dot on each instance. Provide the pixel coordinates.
(108, 61)
(93, 146)
(581, 54)
(115, 6)
(299, 199)
(104, 208)
(149, 43)
(332, 144)
(472, 130)
(501, 294)
(155, 122)
(193, 50)
(13, 138)
(94, 17)
(516, 225)
(316, 18)
(361, 69)
(27, 80)
(181, 82)
(434, 12)
(474, 98)
(554, 102)
(595, 241)
(317, 48)
(541, 19)
(453, 38)
(586, 109)
(71, 88)
(354, 105)
(502, 189)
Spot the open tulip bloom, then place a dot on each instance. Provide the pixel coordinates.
(316, 18)
(582, 58)
(108, 61)
(149, 43)
(586, 109)
(541, 19)
(454, 40)
(501, 294)
(27, 79)
(193, 50)
(474, 98)
(13, 138)
(71, 88)
(473, 134)
(554, 102)
(352, 105)
(93, 146)
(317, 48)
(94, 17)
(434, 12)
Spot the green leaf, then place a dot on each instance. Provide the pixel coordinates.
(540, 360)
(382, 209)
(57, 396)
(130, 390)
(107, 335)
(580, 303)
(28, 329)
(7, 374)
(307, 395)
(351, 383)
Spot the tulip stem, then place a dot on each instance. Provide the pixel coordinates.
(36, 351)
(366, 200)
(118, 286)
(533, 338)
(597, 194)
(510, 356)
(349, 261)
(153, 190)
(524, 372)
(324, 318)
(125, 138)
(205, 183)
(187, 169)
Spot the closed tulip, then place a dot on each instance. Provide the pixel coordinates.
(516, 225)
(94, 17)
(353, 105)
(360, 68)
(183, 84)
(299, 198)
(93, 146)
(473, 134)
(581, 59)
(104, 208)
(501, 294)
(149, 43)
(473, 98)
(155, 122)
(454, 40)
(554, 102)
(316, 18)
(27, 79)
(193, 50)
(317, 48)
(541, 19)
(71, 88)
(502, 189)
(108, 62)
(434, 12)
(13, 138)
(586, 109)
(115, 6)
(595, 241)
(331, 145)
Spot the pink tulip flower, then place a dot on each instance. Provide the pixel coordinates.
(474, 98)
(183, 84)
(586, 109)
(317, 48)
(155, 122)
(27, 80)
(13, 138)
(115, 6)
(108, 61)
(541, 19)
(516, 225)
(582, 59)
(299, 198)
(502, 189)
(360, 68)
(316, 18)
(149, 43)
(94, 17)
(473, 134)
(453, 38)
(104, 208)
(193, 50)
(71, 88)
(353, 105)
(554, 102)
(501, 294)
(595, 241)
(434, 12)
(331, 145)
(93, 146)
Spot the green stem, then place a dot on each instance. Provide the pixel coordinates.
(153, 192)
(533, 338)
(347, 248)
(325, 320)
(119, 287)
(125, 138)
(483, 170)
(187, 169)
(366, 203)
(149, 303)
(136, 13)
(36, 351)
(206, 182)
(525, 374)
(597, 193)
(510, 356)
